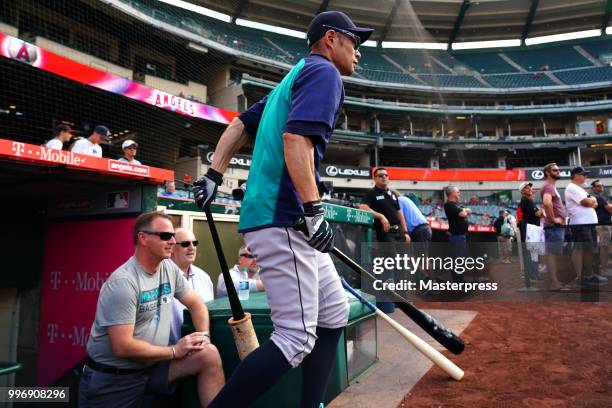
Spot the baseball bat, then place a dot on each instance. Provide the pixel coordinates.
(240, 322)
(434, 328)
(434, 355)
(426, 322)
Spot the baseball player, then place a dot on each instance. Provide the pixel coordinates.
(291, 127)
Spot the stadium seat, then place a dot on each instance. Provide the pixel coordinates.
(430, 66)
(420, 61)
(452, 81)
(518, 80)
(549, 58)
(586, 75)
(598, 49)
(486, 63)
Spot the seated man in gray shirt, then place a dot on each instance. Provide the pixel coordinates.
(127, 352)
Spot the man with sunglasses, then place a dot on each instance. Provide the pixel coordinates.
(554, 223)
(184, 255)
(245, 260)
(129, 148)
(128, 355)
(291, 128)
(389, 221)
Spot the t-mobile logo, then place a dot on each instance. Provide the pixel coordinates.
(18, 148)
(56, 279)
(52, 332)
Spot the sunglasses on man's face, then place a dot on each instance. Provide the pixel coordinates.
(185, 244)
(247, 256)
(164, 236)
(356, 40)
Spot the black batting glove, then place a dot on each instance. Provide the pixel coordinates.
(319, 234)
(205, 188)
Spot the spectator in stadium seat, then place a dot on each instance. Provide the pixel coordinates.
(485, 219)
(457, 225)
(170, 190)
(63, 133)
(91, 145)
(604, 227)
(582, 220)
(184, 254)
(389, 221)
(554, 221)
(246, 259)
(129, 148)
(504, 241)
(531, 215)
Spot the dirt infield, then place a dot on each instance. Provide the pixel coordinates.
(526, 355)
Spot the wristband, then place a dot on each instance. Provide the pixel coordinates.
(215, 176)
(312, 208)
(205, 333)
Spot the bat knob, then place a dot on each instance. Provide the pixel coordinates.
(300, 225)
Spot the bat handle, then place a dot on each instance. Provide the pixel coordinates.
(354, 293)
(300, 225)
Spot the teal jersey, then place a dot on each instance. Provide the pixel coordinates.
(307, 102)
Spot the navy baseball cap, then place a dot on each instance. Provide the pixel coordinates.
(330, 20)
(63, 128)
(578, 170)
(102, 131)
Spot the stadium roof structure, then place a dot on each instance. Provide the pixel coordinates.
(444, 21)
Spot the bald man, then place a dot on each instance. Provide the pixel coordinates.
(184, 255)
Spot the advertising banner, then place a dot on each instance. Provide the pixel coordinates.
(331, 170)
(70, 287)
(41, 155)
(404, 173)
(17, 49)
(595, 172)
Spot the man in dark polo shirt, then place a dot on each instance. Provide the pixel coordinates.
(389, 221)
(457, 216)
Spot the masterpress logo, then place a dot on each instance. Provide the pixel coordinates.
(124, 167)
